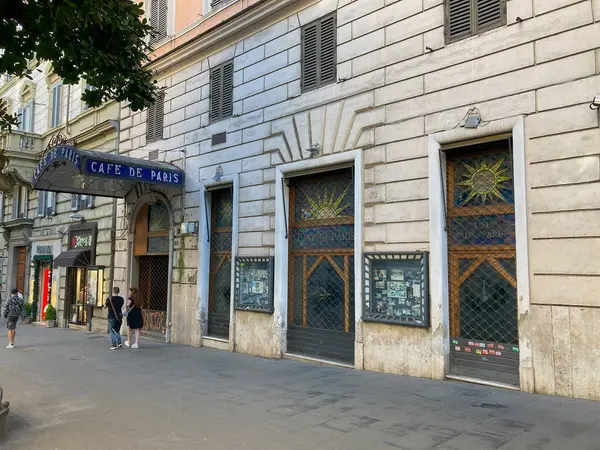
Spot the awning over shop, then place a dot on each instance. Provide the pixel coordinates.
(71, 170)
(73, 258)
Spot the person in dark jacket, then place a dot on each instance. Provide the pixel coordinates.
(115, 317)
(13, 309)
(135, 320)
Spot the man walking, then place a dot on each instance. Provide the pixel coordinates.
(13, 309)
(115, 318)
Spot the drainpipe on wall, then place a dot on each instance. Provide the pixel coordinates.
(170, 284)
(68, 109)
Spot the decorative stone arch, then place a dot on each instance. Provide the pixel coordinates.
(134, 265)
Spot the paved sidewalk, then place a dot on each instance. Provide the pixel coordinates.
(68, 391)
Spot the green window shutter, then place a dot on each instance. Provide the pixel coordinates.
(227, 90)
(458, 19)
(490, 14)
(328, 50)
(216, 79)
(319, 53)
(310, 57)
(155, 120)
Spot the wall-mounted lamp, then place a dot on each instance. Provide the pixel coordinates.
(77, 216)
(472, 119)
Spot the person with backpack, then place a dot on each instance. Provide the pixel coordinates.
(13, 309)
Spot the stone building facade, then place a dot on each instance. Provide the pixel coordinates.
(37, 225)
(406, 92)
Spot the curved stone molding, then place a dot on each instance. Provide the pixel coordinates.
(341, 126)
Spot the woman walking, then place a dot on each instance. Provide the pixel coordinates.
(135, 321)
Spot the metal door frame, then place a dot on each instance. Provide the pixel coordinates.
(323, 163)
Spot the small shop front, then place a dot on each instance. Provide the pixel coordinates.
(85, 280)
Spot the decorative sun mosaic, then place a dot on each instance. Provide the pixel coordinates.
(485, 181)
(326, 207)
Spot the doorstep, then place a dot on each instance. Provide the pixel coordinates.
(511, 387)
(215, 342)
(326, 362)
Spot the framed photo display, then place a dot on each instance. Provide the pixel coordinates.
(396, 288)
(254, 284)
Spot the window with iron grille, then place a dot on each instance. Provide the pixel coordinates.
(221, 92)
(319, 40)
(158, 20)
(154, 123)
(466, 18)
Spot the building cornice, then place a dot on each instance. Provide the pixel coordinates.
(246, 20)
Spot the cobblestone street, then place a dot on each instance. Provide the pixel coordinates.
(68, 391)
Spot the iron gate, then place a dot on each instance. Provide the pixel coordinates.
(482, 263)
(154, 282)
(321, 266)
(219, 297)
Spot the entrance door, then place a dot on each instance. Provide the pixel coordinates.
(219, 296)
(45, 288)
(21, 265)
(77, 296)
(321, 267)
(482, 264)
(154, 283)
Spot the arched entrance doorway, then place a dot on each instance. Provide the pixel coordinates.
(151, 265)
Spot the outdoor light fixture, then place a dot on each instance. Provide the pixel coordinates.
(472, 119)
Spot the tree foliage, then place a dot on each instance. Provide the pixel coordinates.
(101, 41)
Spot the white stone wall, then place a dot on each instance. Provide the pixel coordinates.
(543, 66)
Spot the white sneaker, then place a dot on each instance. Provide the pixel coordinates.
(10, 346)
(126, 343)
(135, 346)
(112, 347)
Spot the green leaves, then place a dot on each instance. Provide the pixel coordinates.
(101, 41)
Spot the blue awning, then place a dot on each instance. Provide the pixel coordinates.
(71, 170)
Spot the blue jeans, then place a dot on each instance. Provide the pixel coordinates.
(114, 328)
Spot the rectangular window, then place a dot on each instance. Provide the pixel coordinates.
(87, 87)
(28, 117)
(20, 202)
(319, 47)
(46, 204)
(158, 20)
(79, 202)
(154, 123)
(56, 104)
(466, 18)
(221, 92)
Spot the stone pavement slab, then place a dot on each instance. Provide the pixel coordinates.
(68, 391)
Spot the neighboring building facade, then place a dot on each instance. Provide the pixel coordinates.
(39, 226)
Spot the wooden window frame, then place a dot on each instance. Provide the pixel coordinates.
(474, 30)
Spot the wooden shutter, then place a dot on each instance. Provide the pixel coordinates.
(16, 201)
(41, 206)
(310, 57)
(490, 14)
(319, 47)
(158, 19)
(21, 117)
(215, 3)
(216, 79)
(328, 49)
(458, 19)
(155, 120)
(227, 90)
